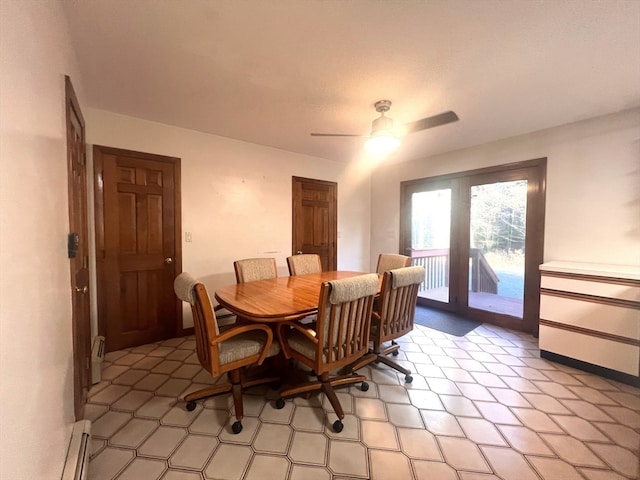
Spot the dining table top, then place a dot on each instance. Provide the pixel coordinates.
(278, 299)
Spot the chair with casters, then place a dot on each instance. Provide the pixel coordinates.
(254, 269)
(393, 316)
(304, 263)
(389, 261)
(340, 338)
(301, 264)
(229, 351)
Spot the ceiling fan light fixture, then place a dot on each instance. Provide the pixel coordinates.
(382, 143)
(382, 140)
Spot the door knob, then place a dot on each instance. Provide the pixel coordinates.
(168, 260)
(82, 290)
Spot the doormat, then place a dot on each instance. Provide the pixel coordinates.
(445, 322)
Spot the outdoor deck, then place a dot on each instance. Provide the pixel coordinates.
(484, 301)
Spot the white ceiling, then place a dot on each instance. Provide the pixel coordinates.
(272, 71)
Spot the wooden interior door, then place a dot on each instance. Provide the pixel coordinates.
(315, 219)
(138, 248)
(78, 250)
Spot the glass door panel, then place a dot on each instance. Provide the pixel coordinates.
(497, 234)
(430, 240)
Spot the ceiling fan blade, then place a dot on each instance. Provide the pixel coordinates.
(336, 135)
(430, 122)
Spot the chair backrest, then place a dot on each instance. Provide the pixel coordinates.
(389, 261)
(189, 290)
(304, 263)
(398, 297)
(253, 269)
(344, 320)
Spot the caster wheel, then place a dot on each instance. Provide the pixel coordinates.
(395, 353)
(364, 386)
(337, 426)
(408, 379)
(191, 406)
(280, 403)
(236, 427)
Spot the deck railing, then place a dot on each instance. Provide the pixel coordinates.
(436, 263)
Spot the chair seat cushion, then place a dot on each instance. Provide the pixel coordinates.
(246, 345)
(301, 344)
(226, 321)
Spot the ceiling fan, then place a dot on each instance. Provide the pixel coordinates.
(383, 138)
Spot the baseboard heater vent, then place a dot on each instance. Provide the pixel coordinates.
(97, 357)
(76, 465)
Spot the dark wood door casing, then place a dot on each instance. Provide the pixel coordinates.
(315, 219)
(535, 173)
(79, 259)
(138, 247)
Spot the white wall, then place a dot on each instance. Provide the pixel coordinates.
(236, 196)
(593, 187)
(36, 353)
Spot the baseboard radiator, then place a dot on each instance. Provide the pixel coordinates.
(76, 465)
(97, 357)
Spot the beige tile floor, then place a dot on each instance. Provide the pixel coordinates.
(481, 407)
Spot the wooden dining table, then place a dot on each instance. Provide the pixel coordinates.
(277, 299)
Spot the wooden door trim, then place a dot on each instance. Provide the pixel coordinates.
(535, 234)
(98, 168)
(81, 366)
(478, 171)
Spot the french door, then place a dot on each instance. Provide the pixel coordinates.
(479, 235)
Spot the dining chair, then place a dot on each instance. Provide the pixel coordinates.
(229, 351)
(393, 316)
(254, 269)
(304, 263)
(389, 261)
(340, 338)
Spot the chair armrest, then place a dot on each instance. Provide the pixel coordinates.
(305, 331)
(234, 331)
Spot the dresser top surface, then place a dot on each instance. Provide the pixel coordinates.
(597, 269)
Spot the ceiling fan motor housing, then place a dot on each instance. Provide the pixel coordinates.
(382, 105)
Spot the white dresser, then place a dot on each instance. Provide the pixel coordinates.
(590, 318)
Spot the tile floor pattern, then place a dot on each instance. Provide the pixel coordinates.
(481, 407)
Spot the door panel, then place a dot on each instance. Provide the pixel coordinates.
(315, 219)
(140, 247)
(498, 239)
(431, 240)
(79, 261)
